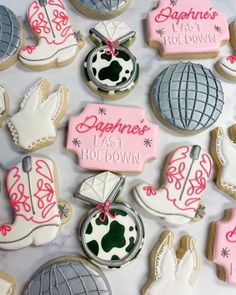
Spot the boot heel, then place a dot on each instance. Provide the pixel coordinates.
(66, 56)
(45, 234)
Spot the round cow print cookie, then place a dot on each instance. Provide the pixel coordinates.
(111, 69)
(10, 38)
(112, 233)
(101, 9)
(187, 98)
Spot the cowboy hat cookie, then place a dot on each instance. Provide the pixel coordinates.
(178, 200)
(223, 151)
(112, 233)
(10, 38)
(101, 9)
(4, 104)
(7, 284)
(68, 276)
(187, 29)
(103, 137)
(172, 272)
(57, 43)
(221, 247)
(226, 66)
(111, 70)
(33, 191)
(35, 125)
(187, 98)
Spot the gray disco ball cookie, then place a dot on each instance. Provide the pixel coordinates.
(10, 37)
(68, 276)
(101, 9)
(187, 97)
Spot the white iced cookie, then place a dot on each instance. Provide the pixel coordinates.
(35, 125)
(38, 214)
(172, 273)
(4, 104)
(7, 284)
(57, 43)
(223, 150)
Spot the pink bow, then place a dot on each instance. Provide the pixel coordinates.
(104, 208)
(112, 47)
(150, 190)
(4, 229)
(231, 58)
(29, 48)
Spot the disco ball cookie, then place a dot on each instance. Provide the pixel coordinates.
(221, 246)
(187, 29)
(7, 284)
(173, 272)
(223, 150)
(57, 44)
(187, 98)
(35, 125)
(68, 276)
(10, 37)
(4, 104)
(101, 9)
(178, 200)
(111, 70)
(32, 187)
(112, 233)
(226, 66)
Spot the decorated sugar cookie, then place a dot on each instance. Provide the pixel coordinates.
(10, 38)
(101, 9)
(104, 136)
(112, 233)
(33, 191)
(35, 125)
(178, 200)
(187, 29)
(7, 284)
(226, 66)
(223, 150)
(4, 104)
(111, 69)
(68, 276)
(173, 272)
(221, 247)
(57, 43)
(187, 98)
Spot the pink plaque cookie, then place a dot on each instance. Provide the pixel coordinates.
(222, 247)
(115, 138)
(183, 28)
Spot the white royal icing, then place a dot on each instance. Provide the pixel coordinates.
(2, 101)
(5, 287)
(112, 30)
(34, 123)
(226, 153)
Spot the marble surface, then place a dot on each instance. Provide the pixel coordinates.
(127, 281)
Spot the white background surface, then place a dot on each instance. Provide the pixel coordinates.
(128, 280)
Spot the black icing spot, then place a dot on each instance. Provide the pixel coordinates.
(89, 229)
(93, 247)
(112, 72)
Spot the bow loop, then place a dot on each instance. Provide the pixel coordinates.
(112, 47)
(104, 208)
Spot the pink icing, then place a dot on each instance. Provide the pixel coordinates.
(225, 247)
(107, 137)
(183, 26)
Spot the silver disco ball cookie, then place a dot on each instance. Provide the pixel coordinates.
(68, 276)
(187, 97)
(101, 9)
(10, 37)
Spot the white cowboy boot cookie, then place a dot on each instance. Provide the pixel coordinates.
(35, 125)
(223, 151)
(33, 192)
(4, 104)
(172, 273)
(178, 201)
(57, 43)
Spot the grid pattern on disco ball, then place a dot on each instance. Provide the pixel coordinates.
(9, 33)
(103, 5)
(188, 96)
(67, 278)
